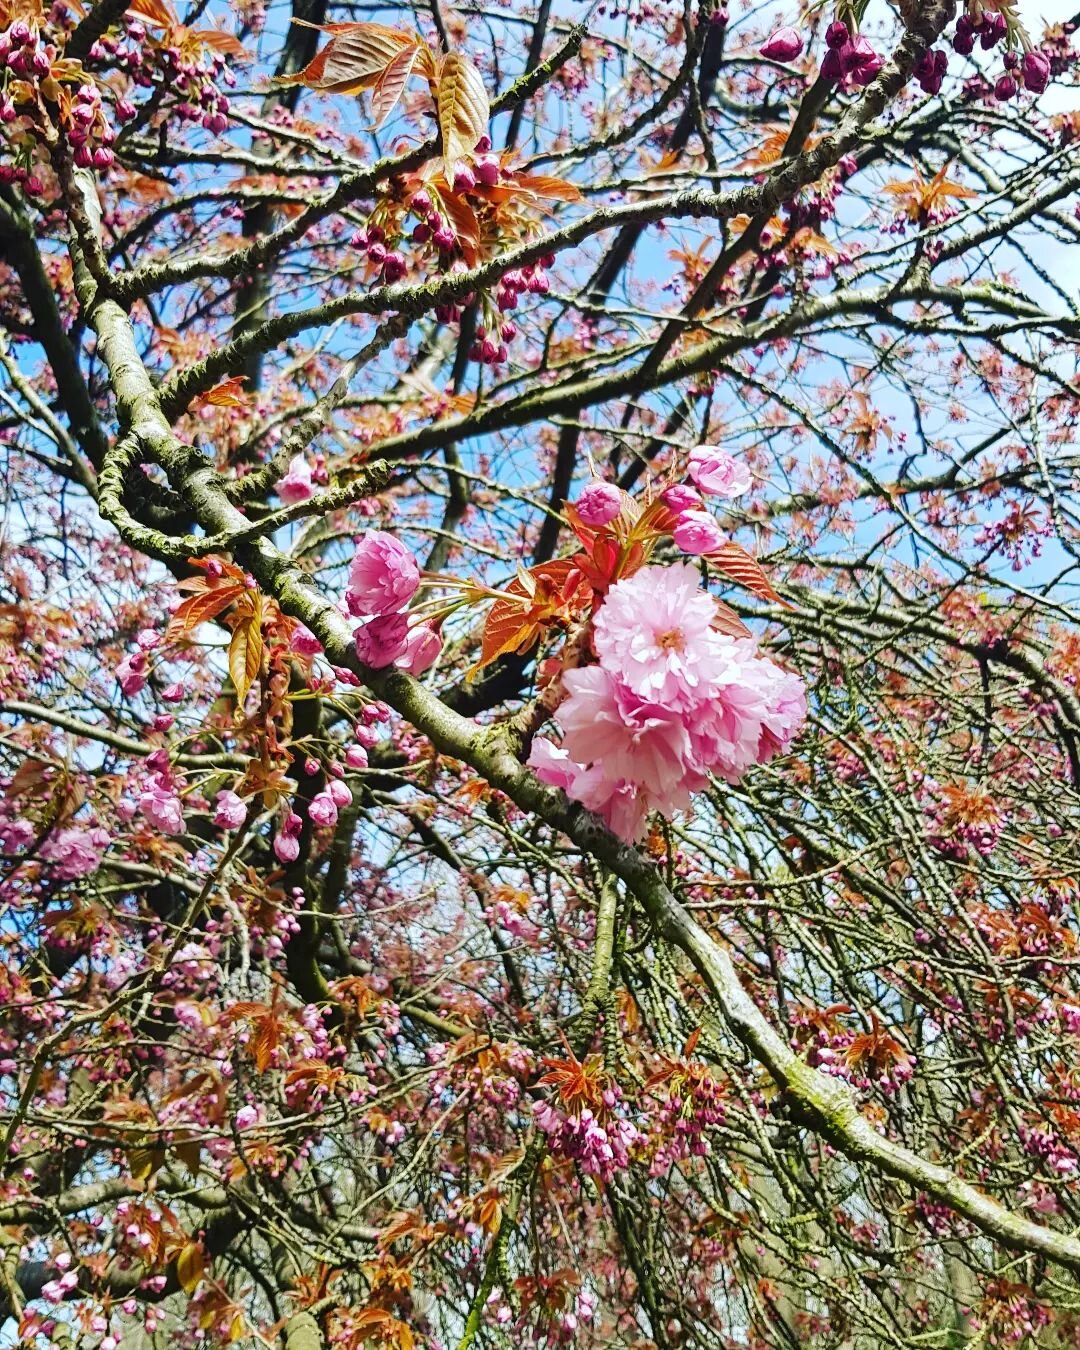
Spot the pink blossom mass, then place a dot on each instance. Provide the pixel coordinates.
(671, 702)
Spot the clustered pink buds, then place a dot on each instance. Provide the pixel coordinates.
(86, 124)
(849, 57)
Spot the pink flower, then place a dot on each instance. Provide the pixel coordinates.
(422, 648)
(718, 473)
(380, 641)
(680, 497)
(76, 851)
(162, 807)
(286, 848)
(655, 629)
(16, 835)
(305, 643)
(356, 757)
(861, 61)
(698, 532)
(246, 1117)
(756, 711)
(783, 45)
(131, 672)
(1035, 71)
(323, 810)
(552, 764)
(599, 504)
(622, 806)
(231, 811)
(296, 486)
(604, 722)
(383, 576)
(340, 794)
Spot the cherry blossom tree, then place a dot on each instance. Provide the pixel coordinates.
(539, 678)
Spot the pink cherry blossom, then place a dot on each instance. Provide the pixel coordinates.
(718, 473)
(671, 701)
(698, 532)
(339, 793)
(422, 647)
(383, 576)
(681, 497)
(603, 721)
(296, 486)
(655, 629)
(76, 851)
(552, 764)
(599, 504)
(162, 807)
(231, 812)
(785, 44)
(356, 757)
(305, 643)
(323, 810)
(380, 641)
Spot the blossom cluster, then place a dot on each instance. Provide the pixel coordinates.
(599, 1144)
(383, 578)
(851, 60)
(670, 702)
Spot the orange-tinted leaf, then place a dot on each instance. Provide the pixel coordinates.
(225, 43)
(691, 1043)
(245, 653)
(546, 186)
(228, 394)
(353, 59)
(466, 226)
(157, 13)
(550, 593)
(391, 85)
(462, 105)
(738, 566)
(201, 608)
(729, 623)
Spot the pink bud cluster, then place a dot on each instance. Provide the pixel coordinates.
(86, 124)
(599, 1144)
(682, 1123)
(194, 79)
(850, 58)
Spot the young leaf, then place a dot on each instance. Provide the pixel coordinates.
(738, 566)
(190, 1265)
(228, 394)
(550, 593)
(354, 58)
(245, 653)
(391, 85)
(201, 608)
(463, 107)
(467, 228)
